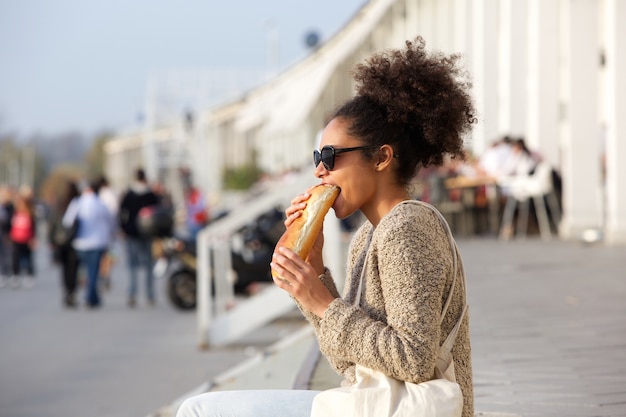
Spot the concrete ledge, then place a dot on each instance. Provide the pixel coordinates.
(276, 367)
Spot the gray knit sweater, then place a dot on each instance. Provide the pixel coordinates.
(396, 328)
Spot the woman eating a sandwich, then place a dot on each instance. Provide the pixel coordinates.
(405, 289)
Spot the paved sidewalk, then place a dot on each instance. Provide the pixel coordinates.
(548, 325)
(110, 362)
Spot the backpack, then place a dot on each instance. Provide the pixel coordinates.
(155, 221)
(62, 235)
(22, 228)
(131, 205)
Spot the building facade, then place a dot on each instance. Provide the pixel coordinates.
(547, 71)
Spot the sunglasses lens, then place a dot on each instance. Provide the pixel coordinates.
(325, 156)
(317, 157)
(328, 157)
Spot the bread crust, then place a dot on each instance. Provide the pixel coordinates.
(302, 233)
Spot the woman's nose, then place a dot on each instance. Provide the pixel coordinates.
(320, 170)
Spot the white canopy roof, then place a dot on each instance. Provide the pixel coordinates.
(283, 104)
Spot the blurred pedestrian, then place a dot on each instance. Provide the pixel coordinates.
(23, 241)
(522, 161)
(6, 214)
(95, 232)
(494, 161)
(138, 246)
(110, 199)
(196, 211)
(63, 252)
(164, 195)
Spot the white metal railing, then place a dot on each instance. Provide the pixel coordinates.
(219, 319)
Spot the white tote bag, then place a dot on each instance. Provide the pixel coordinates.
(377, 395)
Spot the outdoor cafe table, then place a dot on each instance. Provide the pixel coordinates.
(469, 185)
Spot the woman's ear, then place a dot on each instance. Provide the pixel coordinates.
(384, 157)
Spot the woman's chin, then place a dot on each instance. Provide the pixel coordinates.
(337, 206)
(341, 213)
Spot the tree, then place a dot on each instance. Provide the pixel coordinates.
(9, 156)
(20, 164)
(243, 176)
(94, 159)
(54, 184)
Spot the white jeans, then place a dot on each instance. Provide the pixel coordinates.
(252, 403)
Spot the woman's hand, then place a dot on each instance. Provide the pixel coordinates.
(292, 213)
(301, 280)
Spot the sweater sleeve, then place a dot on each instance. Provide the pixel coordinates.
(396, 328)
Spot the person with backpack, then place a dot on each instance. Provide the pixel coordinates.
(110, 199)
(60, 241)
(94, 233)
(23, 236)
(138, 246)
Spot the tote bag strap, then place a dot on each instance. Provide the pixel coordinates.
(453, 248)
(444, 359)
(452, 336)
(357, 300)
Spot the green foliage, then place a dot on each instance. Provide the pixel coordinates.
(21, 164)
(46, 163)
(94, 159)
(54, 185)
(241, 178)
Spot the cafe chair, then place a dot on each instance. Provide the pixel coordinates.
(521, 189)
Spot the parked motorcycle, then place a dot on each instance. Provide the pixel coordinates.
(251, 252)
(176, 262)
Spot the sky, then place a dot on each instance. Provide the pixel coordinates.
(83, 66)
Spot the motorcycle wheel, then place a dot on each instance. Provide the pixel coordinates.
(182, 290)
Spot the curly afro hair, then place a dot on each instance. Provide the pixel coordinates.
(417, 102)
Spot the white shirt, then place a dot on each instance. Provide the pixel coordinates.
(96, 225)
(109, 198)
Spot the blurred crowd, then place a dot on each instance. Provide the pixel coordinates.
(81, 228)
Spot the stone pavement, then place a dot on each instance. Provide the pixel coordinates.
(548, 326)
(110, 362)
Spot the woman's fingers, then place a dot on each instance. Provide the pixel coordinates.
(301, 198)
(281, 264)
(299, 279)
(293, 212)
(282, 277)
(281, 282)
(288, 265)
(295, 209)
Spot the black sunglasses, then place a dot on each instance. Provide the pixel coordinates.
(327, 155)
